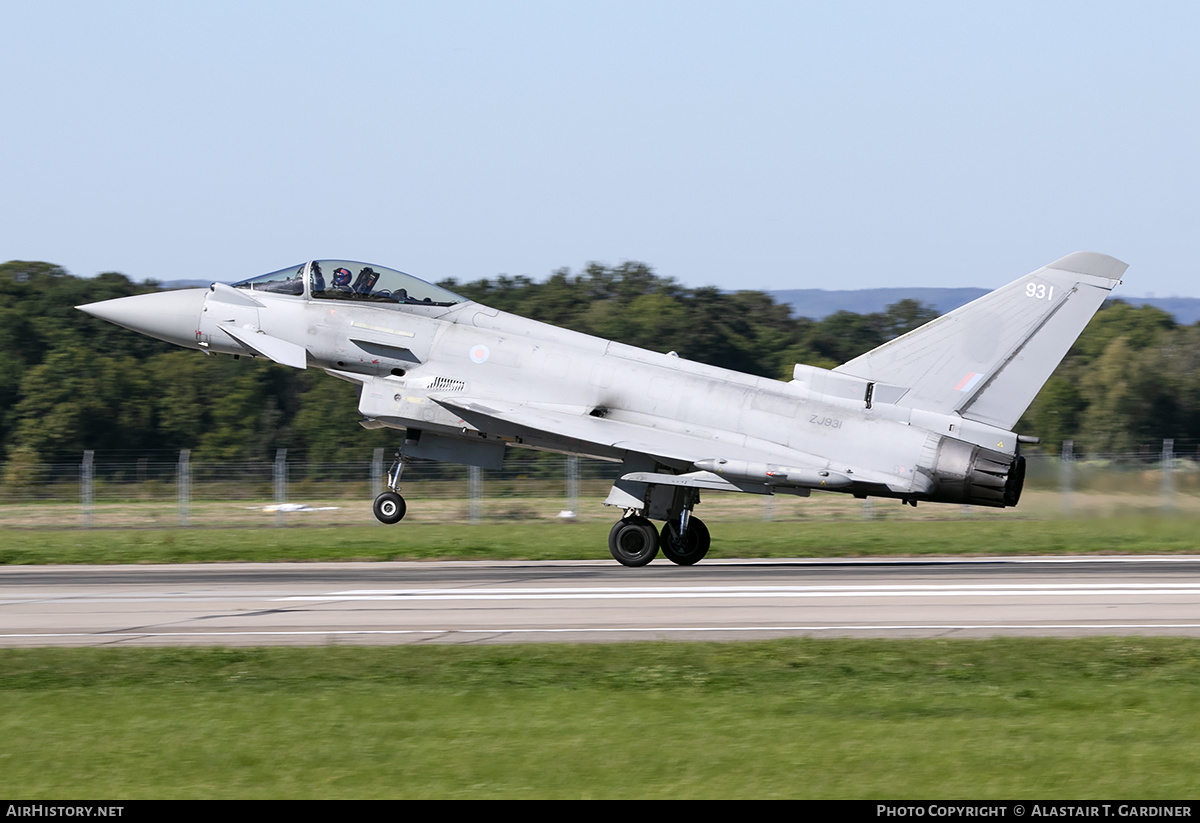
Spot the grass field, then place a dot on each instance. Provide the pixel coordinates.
(899, 719)
(533, 502)
(1034, 718)
(547, 539)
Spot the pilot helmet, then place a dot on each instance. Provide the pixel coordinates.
(341, 278)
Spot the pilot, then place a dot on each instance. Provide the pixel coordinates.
(341, 279)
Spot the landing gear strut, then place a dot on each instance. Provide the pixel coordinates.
(390, 507)
(688, 546)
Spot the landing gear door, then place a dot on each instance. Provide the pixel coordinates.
(470, 452)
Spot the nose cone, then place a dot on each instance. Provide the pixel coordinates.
(173, 316)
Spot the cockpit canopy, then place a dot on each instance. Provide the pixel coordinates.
(348, 280)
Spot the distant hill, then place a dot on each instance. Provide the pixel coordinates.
(820, 303)
(1186, 310)
(171, 285)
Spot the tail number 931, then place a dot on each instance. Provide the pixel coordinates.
(1039, 291)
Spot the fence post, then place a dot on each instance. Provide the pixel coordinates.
(87, 486)
(572, 487)
(475, 491)
(183, 484)
(1168, 466)
(377, 473)
(1064, 468)
(280, 484)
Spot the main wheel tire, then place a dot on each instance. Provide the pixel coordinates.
(688, 549)
(389, 508)
(633, 541)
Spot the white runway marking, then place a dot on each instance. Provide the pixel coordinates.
(629, 593)
(692, 592)
(859, 628)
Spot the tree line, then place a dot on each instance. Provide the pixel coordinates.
(70, 382)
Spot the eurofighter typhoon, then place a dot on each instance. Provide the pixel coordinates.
(928, 416)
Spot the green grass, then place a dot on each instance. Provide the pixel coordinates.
(550, 540)
(1033, 718)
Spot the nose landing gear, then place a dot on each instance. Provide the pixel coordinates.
(390, 506)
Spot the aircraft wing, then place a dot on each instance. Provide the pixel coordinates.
(687, 447)
(516, 419)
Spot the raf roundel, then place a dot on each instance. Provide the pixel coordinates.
(479, 354)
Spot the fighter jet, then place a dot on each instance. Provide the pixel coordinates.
(928, 416)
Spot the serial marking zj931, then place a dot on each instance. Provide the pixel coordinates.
(828, 422)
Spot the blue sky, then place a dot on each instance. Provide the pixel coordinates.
(744, 145)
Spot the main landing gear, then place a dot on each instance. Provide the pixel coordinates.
(634, 541)
(389, 506)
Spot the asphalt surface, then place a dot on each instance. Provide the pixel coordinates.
(589, 601)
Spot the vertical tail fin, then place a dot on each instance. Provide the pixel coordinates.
(987, 360)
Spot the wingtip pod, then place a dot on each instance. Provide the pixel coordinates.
(1093, 264)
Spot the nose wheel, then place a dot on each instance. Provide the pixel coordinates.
(389, 508)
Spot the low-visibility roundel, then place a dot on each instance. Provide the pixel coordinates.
(479, 353)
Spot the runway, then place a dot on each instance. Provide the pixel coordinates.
(593, 601)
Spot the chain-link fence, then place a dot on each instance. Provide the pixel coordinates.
(176, 489)
(161, 490)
